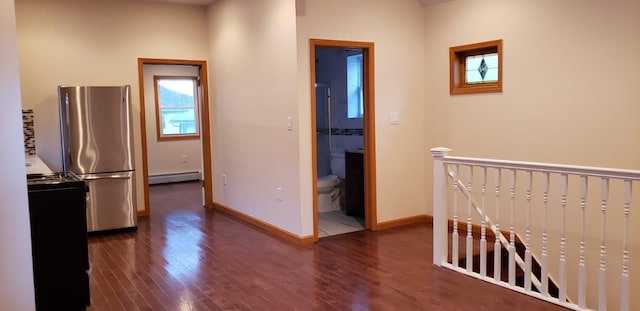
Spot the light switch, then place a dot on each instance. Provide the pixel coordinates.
(289, 124)
(394, 118)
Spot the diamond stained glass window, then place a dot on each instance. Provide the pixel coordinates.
(481, 68)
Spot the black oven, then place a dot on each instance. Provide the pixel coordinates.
(57, 210)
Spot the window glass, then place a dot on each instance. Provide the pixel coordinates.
(476, 68)
(355, 100)
(177, 106)
(481, 68)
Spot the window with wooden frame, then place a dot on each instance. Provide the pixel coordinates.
(176, 107)
(475, 68)
(355, 95)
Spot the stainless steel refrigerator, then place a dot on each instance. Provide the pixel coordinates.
(96, 124)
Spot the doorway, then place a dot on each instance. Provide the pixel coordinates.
(343, 136)
(199, 76)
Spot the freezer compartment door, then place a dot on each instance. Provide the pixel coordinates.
(111, 201)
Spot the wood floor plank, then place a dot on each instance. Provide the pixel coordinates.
(186, 257)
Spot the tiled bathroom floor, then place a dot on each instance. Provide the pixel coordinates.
(336, 222)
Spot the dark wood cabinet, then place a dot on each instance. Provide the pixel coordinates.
(354, 166)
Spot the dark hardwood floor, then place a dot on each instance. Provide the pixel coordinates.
(185, 257)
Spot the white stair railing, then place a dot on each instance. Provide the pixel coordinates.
(548, 186)
(500, 238)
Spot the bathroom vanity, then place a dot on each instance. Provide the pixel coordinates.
(354, 175)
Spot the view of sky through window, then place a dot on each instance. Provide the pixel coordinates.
(177, 106)
(355, 100)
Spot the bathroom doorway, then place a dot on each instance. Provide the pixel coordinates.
(343, 136)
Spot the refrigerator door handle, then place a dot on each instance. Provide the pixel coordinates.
(108, 176)
(64, 123)
(68, 153)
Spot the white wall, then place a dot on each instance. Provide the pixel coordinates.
(570, 94)
(75, 42)
(16, 283)
(253, 81)
(570, 76)
(253, 92)
(397, 30)
(166, 157)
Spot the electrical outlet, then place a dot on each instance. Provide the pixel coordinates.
(279, 194)
(184, 159)
(224, 179)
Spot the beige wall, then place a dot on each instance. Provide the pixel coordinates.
(570, 94)
(397, 30)
(571, 70)
(72, 42)
(570, 76)
(16, 283)
(253, 92)
(166, 157)
(252, 79)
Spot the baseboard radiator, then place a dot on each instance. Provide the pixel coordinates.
(174, 177)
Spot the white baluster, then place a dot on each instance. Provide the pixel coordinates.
(527, 240)
(497, 247)
(544, 273)
(469, 225)
(512, 231)
(531, 280)
(440, 210)
(562, 282)
(624, 288)
(582, 266)
(602, 286)
(454, 236)
(483, 233)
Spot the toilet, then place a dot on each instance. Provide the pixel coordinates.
(328, 186)
(328, 194)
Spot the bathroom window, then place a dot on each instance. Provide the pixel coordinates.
(176, 107)
(476, 68)
(355, 102)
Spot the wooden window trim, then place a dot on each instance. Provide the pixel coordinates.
(457, 56)
(173, 137)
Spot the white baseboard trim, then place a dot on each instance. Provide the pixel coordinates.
(173, 177)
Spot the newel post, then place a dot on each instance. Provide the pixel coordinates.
(440, 215)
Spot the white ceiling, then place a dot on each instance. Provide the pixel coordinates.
(207, 2)
(192, 2)
(432, 2)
